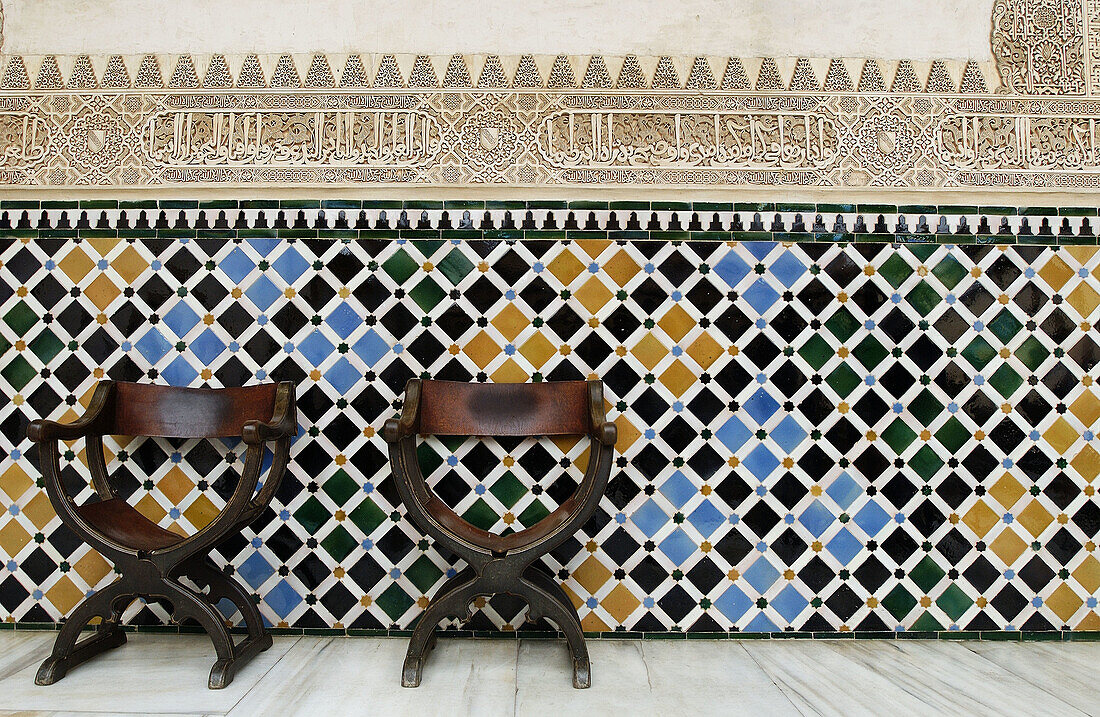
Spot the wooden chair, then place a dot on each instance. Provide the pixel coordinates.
(499, 563)
(151, 559)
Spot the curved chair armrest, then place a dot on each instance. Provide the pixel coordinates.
(94, 422)
(283, 423)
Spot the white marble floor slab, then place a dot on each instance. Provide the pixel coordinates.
(166, 675)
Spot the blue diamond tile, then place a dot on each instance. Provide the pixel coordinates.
(371, 347)
(733, 434)
(761, 296)
(844, 490)
(263, 293)
(787, 268)
(316, 348)
(153, 346)
(179, 372)
(679, 489)
(283, 599)
(732, 268)
(816, 518)
(789, 603)
(733, 603)
(256, 570)
(236, 265)
(290, 265)
(344, 320)
(761, 462)
(760, 249)
(872, 518)
(678, 546)
(649, 518)
(761, 575)
(761, 406)
(844, 546)
(706, 518)
(207, 347)
(342, 376)
(761, 623)
(181, 318)
(788, 434)
(264, 246)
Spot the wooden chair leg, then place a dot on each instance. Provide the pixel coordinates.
(223, 586)
(453, 601)
(108, 604)
(186, 603)
(547, 599)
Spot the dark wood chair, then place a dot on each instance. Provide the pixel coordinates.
(152, 560)
(499, 563)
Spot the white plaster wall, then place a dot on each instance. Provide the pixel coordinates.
(896, 29)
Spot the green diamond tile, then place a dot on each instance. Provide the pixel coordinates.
(843, 380)
(21, 318)
(427, 247)
(481, 515)
(953, 435)
(367, 516)
(339, 543)
(949, 271)
(895, 270)
(1005, 380)
(423, 573)
(978, 352)
(18, 372)
(4, 345)
(312, 515)
(394, 602)
(455, 266)
(898, 602)
(533, 513)
(816, 351)
(870, 352)
(898, 435)
(340, 487)
(508, 489)
(427, 294)
(925, 407)
(925, 462)
(842, 324)
(429, 460)
(46, 346)
(923, 298)
(1032, 353)
(400, 266)
(922, 251)
(954, 601)
(1004, 326)
(926, 574)
(926, 623)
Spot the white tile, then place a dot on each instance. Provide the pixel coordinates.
(1067, 669)
(545, 678)
(19, 649)
(150, 674)
(352, 675)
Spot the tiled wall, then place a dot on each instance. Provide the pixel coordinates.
(821, 429)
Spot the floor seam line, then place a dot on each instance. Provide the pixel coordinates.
(771, 678)
(1025, 678)
(267, 672)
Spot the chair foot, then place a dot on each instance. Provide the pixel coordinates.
(582, 674)
(57, 666)
(412, 671)
(225, 669)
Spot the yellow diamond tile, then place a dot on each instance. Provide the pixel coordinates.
(981, 519)
(592, 574)
(593, 295)
(1008, 546)
(1090, 623)
(573, 598)
(621, 268)
(175, 485)
(76, 265)
(1007, 490)
(150, 508)
(592, 623)
(1064, 602)
(510, 372)
(102, 292)
(200, 512)
(678, 378)
(1086, 408)
(565, 267)
(1061, 435)
(1088, 574)
(510, 322)
(15, 481)
(13, 537)
(481, 349)
(628, 434)
(104, 246)
(537, 350)
(64, 595)
(620, 603)
(649, 350)
(1087, 463)
(1081, 253)
(566, 444)
(1084, 299)
(129, 264)
(1056, 273)
(705, 350)
(592, 247)
(676, 322)
(92, 567)
(1035, 518)
(39, 510)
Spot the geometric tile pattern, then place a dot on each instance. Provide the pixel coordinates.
(813, 436)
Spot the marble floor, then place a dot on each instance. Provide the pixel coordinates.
(166, 674)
